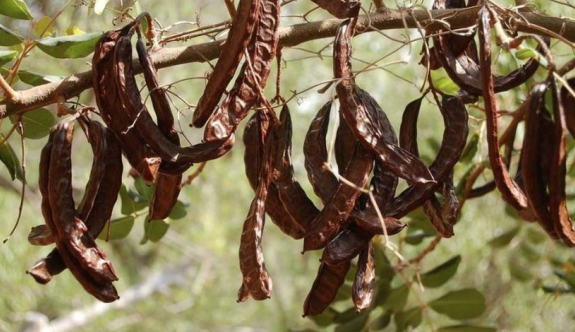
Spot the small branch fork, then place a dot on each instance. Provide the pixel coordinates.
(431, 21)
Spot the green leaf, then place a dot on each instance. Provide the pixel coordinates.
(405, 319)
(446, 85)
(536, 235)
(504, 239)
(179, 211)
(155, 229)
(9, 158)
(37, 123)
(529, 252)
(441, 274)
(70, 47)
(397, 299)
(343, 293)
(416, 236)
(567, 276)
(556, 290)
(7, 56)
(466, 328)
(381, 322)
(326, 318)
(354, 325)
(35, 79)
(143, 188)
(527, 53)
(118, 228)
(16, 9)
(345, 316)
(131, 201)
(463, 304)
(470, 149)
(44, 27)
(73, 30)
(7, 37)
(519, 271)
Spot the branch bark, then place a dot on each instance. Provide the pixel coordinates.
(432, 21)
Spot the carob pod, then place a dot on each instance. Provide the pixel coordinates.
(400, 162)
(452, 145)
(364, 283)
(291, 194)
(466, 72)
(510, 192)
(168, 186)
(253, 159)
(408, 140)
(176, 158)
(239, 35)
(325, 286)
(71, 229)
(104, 292)
(532, 170)
(340, 8)
(140, 156)
(99, 216)
(253, 76)
(255, 276)
(558, 172)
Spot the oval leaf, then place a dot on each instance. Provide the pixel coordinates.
(463, 304)
(118, 228)
(397, 298)
(504, 239)
(16, 9)
(179, 211)
(441, 274)
(357, 323)
(44, 27)
(410, 318)
(9, 158)
(326, 318)
(466, 328)
(8, 38)
(35, 79)
(37, 123)
(70, 47)
(155, 229)
(527, 53)
(7, 56)
(131, 201)
(380, 322)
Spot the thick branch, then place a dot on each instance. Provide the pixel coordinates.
(290, 36)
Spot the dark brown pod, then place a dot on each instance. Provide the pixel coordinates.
(324, 289)
(364, 283)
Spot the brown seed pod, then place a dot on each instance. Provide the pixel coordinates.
(558, 173)
(167, 186)
(253, 76)
(324, 289)
(112, 110)
(243, 25)
(340, 8)
(40, 236)
(255, 276)
(253, 159)
(400, 162)
(364, 283)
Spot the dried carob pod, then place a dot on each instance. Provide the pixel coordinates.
(168, 186)
(253, 76)
(340, 8)
(240, 34)
(112, 110)
(399, 161)
(558, 172)
(55, 162)
(325, 286)
(253, 159)
(255, 276)
(364, 283)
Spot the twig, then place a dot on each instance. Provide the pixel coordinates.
(72, 86)
(231, 8)
(194, 175)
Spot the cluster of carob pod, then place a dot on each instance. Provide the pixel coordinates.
(367, 150)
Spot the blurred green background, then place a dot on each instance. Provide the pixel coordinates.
(188, 281)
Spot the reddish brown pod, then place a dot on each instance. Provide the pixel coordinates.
(324, 289)
(243, 25)
(364, 283)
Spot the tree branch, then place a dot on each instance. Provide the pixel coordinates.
(432, 21)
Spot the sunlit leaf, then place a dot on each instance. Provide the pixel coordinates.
(44, 27)
(526, 53)
(70, 47)
(16, 9)
(463, 304)
(35, 79)
(10, 160)
(74, 30)
(99, 6)
(7, 56)
(8, 37)
(118, 228)
(441, 274)
(155, 229)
